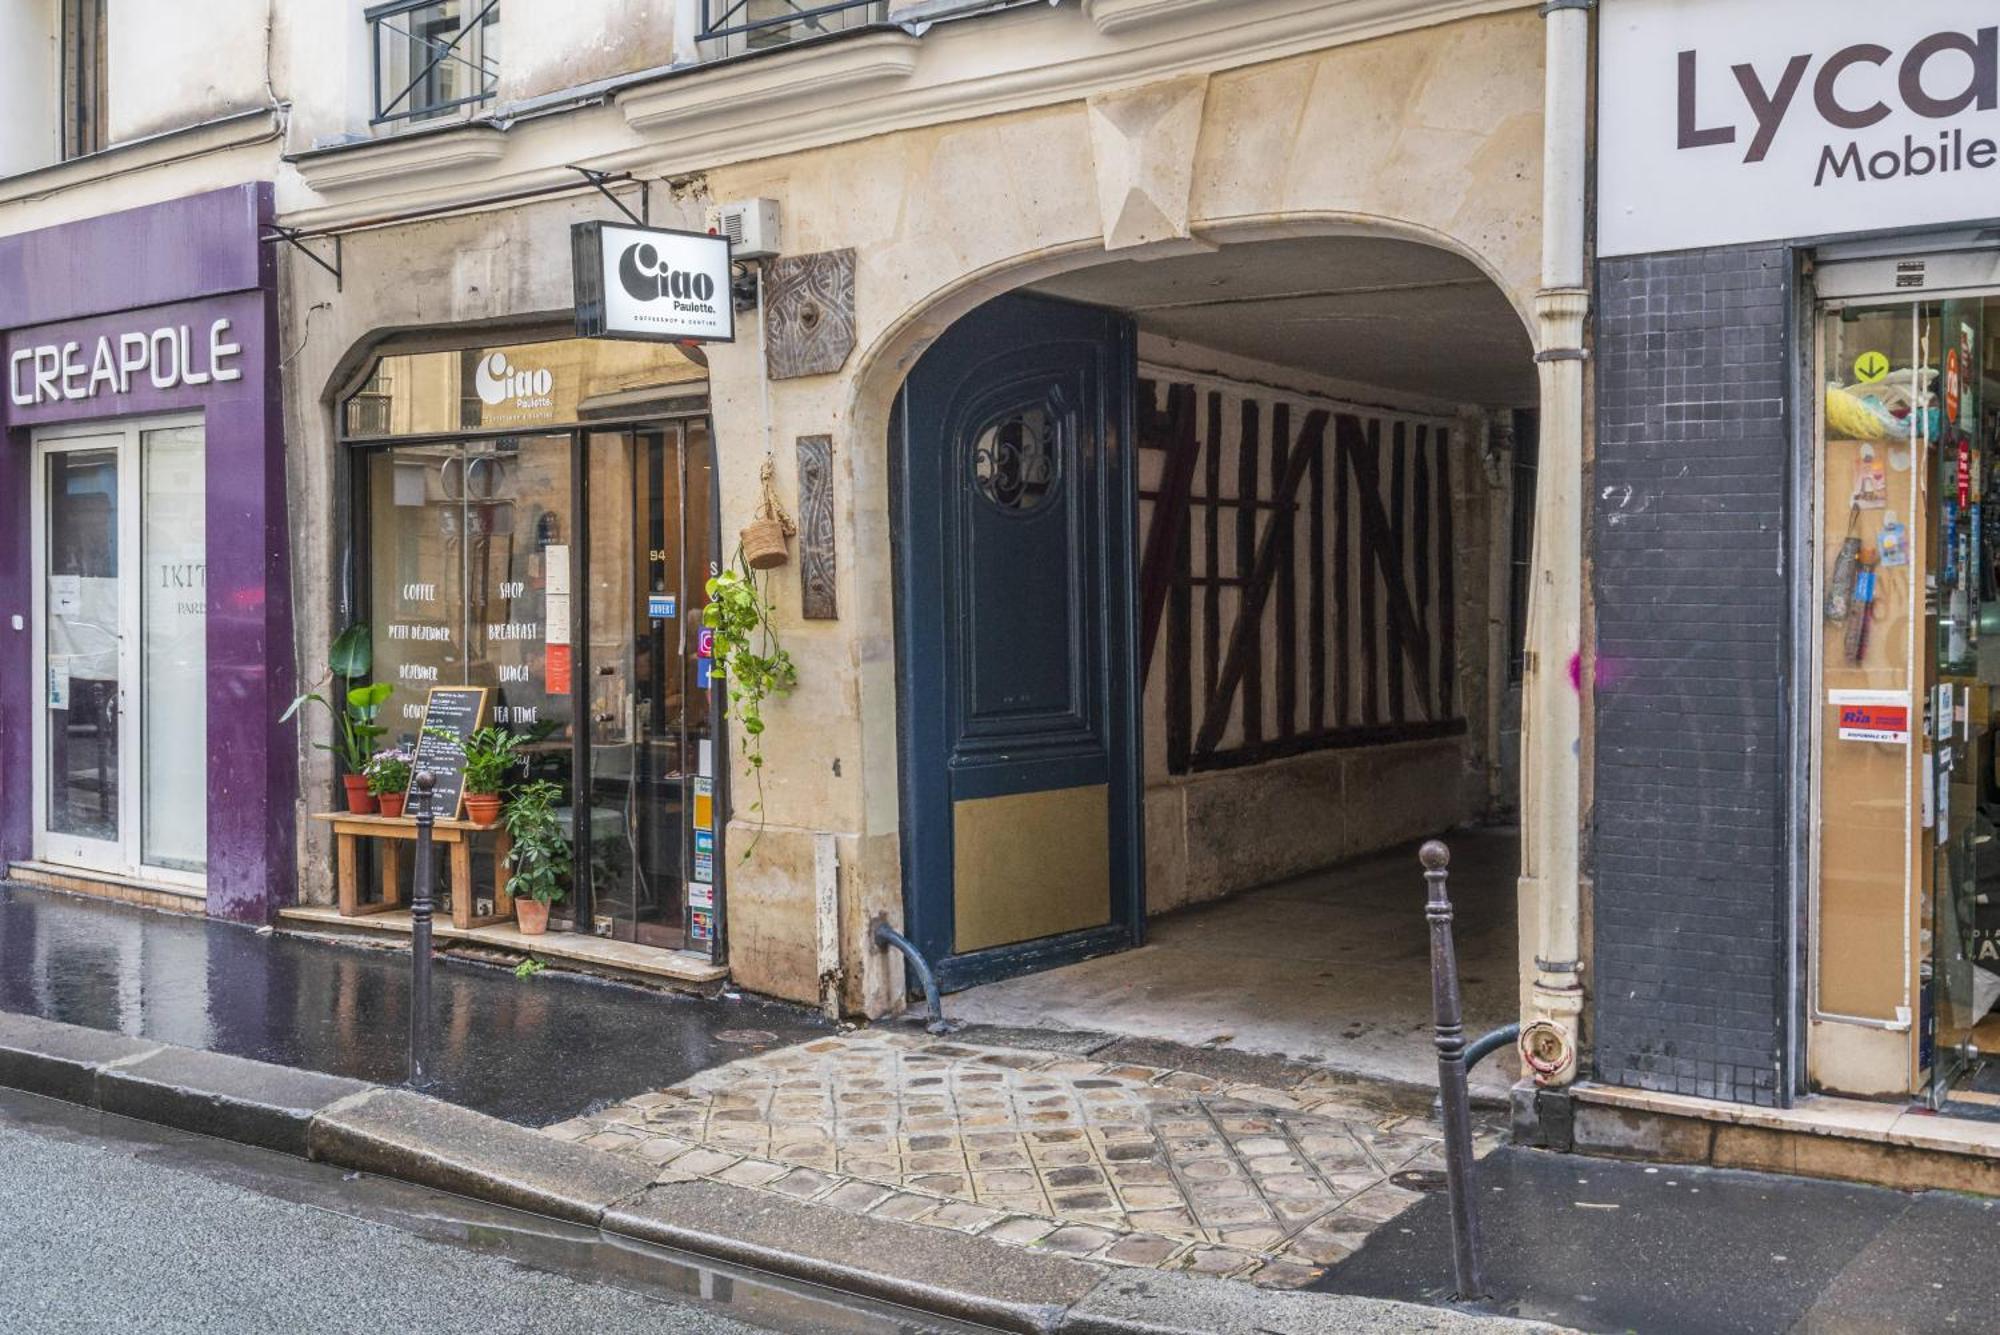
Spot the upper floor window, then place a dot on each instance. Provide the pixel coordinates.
(433, 56)
(731, 27)
(82, 77)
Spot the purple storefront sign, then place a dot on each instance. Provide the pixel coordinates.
(170, 308)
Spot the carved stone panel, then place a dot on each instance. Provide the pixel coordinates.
(809, 314)
(816, 528)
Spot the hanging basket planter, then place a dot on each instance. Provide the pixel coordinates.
(766, 539)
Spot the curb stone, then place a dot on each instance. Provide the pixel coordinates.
(397, 1133)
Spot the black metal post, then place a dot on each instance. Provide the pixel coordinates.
(420, 933)
(1452, 1089)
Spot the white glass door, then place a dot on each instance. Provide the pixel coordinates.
(120, 649)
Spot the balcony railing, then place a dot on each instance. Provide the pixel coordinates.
(732, 27)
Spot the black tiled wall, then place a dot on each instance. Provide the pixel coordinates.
(1687, 847)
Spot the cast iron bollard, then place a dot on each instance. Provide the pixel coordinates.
(1451, 1076)
(420, 934)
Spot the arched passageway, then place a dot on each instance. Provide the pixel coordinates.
(1210, 598)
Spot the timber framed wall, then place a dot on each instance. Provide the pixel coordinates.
(1306, 564)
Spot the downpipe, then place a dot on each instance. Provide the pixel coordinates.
(888, 938)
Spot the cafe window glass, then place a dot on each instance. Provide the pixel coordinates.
(469, 556)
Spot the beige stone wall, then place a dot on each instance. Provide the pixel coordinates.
(1433, 136)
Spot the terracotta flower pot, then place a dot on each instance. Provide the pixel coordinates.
(482, 808)
(532, 915)
(392, 803)
(359, 800)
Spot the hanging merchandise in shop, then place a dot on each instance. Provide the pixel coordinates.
(651, 283)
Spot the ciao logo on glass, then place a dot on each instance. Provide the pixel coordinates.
(496, 381)
(652, 283)
(116, 364)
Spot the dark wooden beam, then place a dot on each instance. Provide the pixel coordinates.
(1174, 431)
(1285, 522)
(1245, 641)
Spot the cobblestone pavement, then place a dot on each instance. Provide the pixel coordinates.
(1136, 1165)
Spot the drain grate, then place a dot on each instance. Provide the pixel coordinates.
(748, 1037)
(1419, 1179)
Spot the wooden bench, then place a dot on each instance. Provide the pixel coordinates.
(394, 831)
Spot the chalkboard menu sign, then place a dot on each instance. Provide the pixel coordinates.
(451, 715)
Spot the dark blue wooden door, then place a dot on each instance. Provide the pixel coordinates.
(1013, 443)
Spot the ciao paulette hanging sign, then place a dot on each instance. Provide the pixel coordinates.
(1727, 121)
(651, 283)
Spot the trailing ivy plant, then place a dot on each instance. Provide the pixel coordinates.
(753, 666)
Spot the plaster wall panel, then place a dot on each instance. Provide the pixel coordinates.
(166, 69)
(28, 85)
(552, 47)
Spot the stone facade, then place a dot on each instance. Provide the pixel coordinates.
(951, 206)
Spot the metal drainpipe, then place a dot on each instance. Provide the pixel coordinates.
(888, 938)
(1552, 703)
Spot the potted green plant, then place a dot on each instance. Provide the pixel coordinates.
(750, 662)
(539, 862)
(489, 754)
(356, 728)
(389, 778)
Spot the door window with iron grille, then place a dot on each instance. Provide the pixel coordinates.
(433, 57)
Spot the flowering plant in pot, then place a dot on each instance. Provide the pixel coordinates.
(539, 863)
(355, 727)
(489, 754)
(389, 778)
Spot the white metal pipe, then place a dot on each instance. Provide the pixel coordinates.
(1555, 686)
(1565, 140)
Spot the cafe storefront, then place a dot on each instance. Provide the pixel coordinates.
(539, 520)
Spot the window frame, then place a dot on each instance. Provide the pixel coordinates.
(488, 12)
(81, 128)
(738, 35)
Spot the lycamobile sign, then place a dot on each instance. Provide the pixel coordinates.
(1724, 122)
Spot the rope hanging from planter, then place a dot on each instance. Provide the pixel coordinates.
(765, 537)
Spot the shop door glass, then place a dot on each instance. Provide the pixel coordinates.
(173, 649)
(1963, 980)
(83, 666)
(1910, 579)
(649, 560)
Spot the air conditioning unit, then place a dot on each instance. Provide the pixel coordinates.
(751, 226)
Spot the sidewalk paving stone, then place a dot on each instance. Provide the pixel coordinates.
(1140, 1166)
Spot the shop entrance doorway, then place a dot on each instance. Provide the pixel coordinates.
(1905, 865)
(120, 644)
(539, 519)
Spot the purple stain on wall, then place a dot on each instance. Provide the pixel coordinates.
(197, 265)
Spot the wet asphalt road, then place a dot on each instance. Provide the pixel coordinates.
(1599, 1245)
(533, 1051)
(117, 1225)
